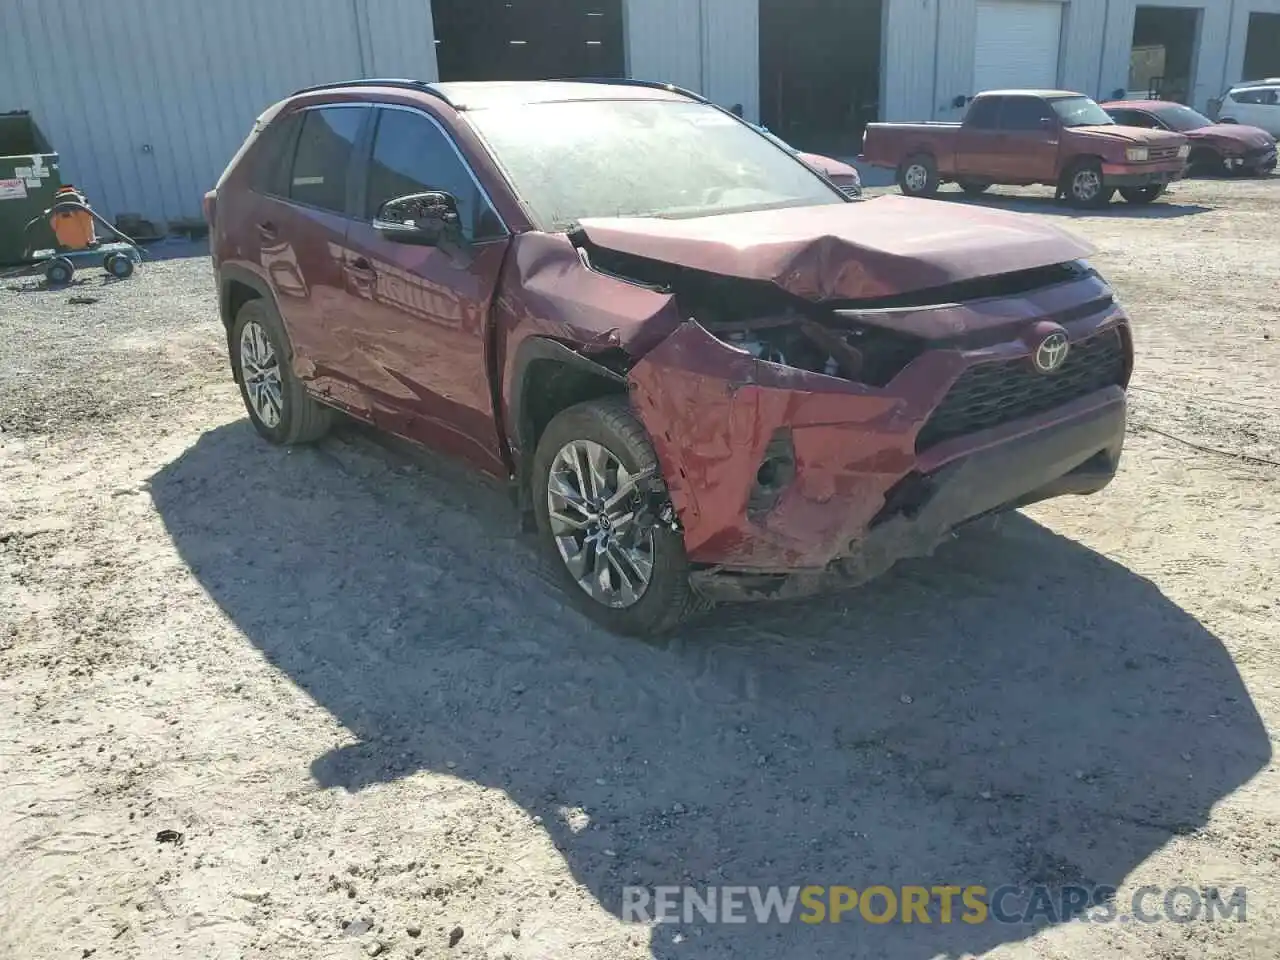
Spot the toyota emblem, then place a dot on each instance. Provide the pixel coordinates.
(1052, 352)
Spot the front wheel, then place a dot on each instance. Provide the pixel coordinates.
(1141, 195)
(591, 497)
(1084, 187)
(918, 176)
(278, 403)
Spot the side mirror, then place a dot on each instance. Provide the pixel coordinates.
(959, 101)
(426, 219)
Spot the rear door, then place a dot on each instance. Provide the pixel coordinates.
(301, 230)
(1029, 133)
(977, 143)
(420, 346)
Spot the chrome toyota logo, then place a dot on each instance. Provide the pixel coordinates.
(1051, 353)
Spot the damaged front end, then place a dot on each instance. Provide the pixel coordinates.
(810, 443)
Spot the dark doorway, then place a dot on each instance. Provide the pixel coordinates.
(1164, 51)
(528, 39)
(1262, 49)
(820, 70)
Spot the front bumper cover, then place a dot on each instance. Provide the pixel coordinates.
(713, 414)
(1079, 455)
(1128, 175)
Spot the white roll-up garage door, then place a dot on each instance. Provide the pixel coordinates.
(1016, 44)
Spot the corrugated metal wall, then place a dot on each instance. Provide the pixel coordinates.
(709, 46)
(147, 100)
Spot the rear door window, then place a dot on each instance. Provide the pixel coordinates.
(984, 114)
(326, 147)
(411, 154)
(1024, 114)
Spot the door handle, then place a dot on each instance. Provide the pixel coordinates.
(268, 231)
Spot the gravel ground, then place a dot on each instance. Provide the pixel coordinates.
(334, 672)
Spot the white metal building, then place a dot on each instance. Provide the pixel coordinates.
(147, 100)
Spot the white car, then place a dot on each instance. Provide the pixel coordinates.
(1256, 104)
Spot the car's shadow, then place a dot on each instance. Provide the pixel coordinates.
(1163, 209)
(1016, 709)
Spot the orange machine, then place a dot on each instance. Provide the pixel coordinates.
(73, 228)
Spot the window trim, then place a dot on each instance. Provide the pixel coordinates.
(366, 158)
(361, 136)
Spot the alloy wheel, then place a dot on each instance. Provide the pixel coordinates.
(260, 370)
(592, 505)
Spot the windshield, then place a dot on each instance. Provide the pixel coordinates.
(1181, 118)
(641, 158)
(1081, 112)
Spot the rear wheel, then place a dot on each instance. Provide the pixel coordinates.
(278, 403)
(620, 567)
(974, 188)
(1083, 185)
(918, 176)
(1141, 195)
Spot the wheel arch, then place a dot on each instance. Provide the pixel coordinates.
(548, 377)
(236, 287)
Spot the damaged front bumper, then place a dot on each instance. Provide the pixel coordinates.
(788, 482)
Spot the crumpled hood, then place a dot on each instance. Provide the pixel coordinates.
(1138, 136)
(1248, 138)
(847, 251)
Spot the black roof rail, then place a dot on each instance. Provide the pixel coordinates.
(628, 82)
(421, 86)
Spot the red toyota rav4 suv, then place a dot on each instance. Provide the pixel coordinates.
(707, 373)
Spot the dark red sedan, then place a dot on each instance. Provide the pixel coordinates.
(1233, 147)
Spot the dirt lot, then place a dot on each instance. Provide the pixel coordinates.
(336, 674)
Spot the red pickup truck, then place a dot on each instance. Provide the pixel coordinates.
(1024, 137)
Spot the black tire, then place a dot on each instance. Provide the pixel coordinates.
(1083, 187)
(974, 188)
(1140, 196)
(669, 599)
(119, 265)
(302, 418)
(59, 271)
(918, 176)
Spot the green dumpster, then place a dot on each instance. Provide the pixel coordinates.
(28, 180)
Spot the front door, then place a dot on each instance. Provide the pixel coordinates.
(419, 341)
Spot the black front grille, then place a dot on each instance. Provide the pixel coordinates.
(1162, 153)
(992, 394)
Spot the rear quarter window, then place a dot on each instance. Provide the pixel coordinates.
(272, 157)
